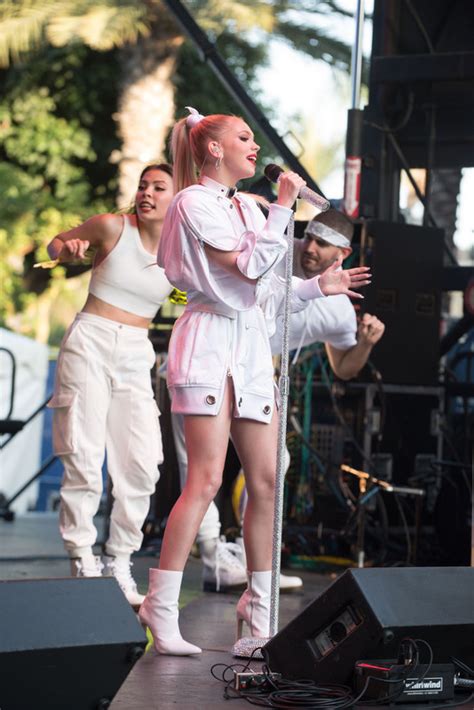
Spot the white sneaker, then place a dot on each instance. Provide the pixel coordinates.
(87, 565)
(222, 568)
(287, 584)
(120, 568)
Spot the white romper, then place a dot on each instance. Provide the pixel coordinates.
(222, 331)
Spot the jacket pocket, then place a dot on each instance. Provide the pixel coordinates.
(64, 422)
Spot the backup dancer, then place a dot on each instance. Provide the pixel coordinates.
(103, 399)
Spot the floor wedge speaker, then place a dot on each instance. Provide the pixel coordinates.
(65, 643)
(366, 613)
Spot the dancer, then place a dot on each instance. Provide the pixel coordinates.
(103, 399)
(332, 321)
(217, 246)
(327, 239)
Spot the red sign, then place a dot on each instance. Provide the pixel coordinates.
(352, 170)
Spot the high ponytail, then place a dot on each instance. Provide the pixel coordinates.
(184, 167)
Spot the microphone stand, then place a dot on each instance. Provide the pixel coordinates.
(247, 647)
(365, 493)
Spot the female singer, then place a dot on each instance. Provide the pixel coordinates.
(217, 245)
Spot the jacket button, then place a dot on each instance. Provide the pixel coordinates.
(267, 409)
(210, 399)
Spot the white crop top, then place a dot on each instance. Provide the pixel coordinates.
(129, 277)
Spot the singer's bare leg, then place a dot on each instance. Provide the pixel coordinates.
(206, 443)
(256, 446)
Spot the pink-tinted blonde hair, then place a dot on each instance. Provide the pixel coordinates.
(189, 146)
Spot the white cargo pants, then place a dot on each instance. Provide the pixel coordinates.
(103, 400)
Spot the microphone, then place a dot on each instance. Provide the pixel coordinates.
(272, 172)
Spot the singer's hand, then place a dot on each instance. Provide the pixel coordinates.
(73, 249)
(334, 281)
(289, 185)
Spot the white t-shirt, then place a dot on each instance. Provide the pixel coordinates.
(331, 320)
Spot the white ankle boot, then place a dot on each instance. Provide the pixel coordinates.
(223, 569)
(159, 612)
(120, 568)
(87, 565)
(254, 605)
(287, 583)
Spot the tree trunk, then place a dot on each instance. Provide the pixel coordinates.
(146, 106)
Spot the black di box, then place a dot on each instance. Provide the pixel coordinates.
(419, 682)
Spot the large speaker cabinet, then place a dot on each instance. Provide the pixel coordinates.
(406, 262)
(367, 612)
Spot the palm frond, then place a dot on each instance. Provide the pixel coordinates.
(102, 24)
(316, 44)
(22, 27)
(101, 27)
(218, 15)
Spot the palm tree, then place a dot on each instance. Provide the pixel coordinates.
(150, 40)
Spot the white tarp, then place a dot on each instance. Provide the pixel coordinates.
(21, 457)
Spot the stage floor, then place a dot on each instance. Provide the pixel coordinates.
(31, 548)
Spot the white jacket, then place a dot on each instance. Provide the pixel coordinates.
(222, 331)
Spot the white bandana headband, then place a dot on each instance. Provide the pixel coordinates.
(194, 117)
(317, 229)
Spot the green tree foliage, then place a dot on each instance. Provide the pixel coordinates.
(60, 102)
(56, 135)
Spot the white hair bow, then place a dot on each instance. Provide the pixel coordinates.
(194, 117)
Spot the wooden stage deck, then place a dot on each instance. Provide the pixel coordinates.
(31, 548)
(162, 682)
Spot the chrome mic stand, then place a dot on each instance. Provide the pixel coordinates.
(247, 646)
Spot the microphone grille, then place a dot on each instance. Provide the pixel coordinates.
(272, 172)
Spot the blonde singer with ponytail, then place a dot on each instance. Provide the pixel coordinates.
(217, 245)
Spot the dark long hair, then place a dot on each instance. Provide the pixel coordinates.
(164, 167)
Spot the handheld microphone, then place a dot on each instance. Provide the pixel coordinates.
(272, 172)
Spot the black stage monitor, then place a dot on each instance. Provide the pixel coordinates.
(366, 613)
(65, 643)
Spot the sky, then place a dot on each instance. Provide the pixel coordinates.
(297, 84)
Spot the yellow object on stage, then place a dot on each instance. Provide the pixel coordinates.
(46, 264)
(178, 297)
(239, 497)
